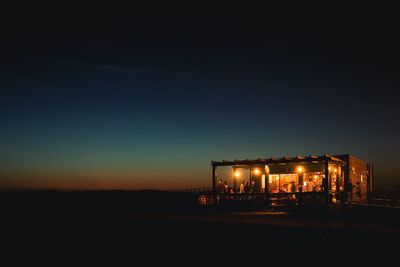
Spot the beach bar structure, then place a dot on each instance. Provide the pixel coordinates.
(325, 180)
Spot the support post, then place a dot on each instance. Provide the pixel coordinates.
(338, 179)
(250, 176)
(342, 193)
(214, 191)
(266, 189)
(300, 199)
(372, 178)
(326, 184)
(301, 182)
(234, 179)
(369, 180)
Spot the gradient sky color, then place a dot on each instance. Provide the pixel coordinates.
(126, 101)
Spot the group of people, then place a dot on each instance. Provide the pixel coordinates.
(223, 188)
(293, 187)
(245, 189)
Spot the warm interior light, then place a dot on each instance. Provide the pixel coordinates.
(315, 176)
(335, 170)
(237, 174)
(256, 171)
(299, 169)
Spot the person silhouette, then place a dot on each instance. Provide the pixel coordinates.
(358, 191)
(220, 190)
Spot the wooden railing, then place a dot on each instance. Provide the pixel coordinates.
(389, 199)
(275, 199)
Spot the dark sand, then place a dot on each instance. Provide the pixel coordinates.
(135, 228)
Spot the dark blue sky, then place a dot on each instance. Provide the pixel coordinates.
(123, 101)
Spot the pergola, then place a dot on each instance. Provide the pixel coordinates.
(251, 163)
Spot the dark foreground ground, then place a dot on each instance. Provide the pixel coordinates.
(144, 228)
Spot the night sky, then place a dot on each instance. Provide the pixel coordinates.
(101, 99)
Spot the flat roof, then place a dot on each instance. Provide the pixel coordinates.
(296, 159)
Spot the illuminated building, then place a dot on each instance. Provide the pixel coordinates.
(326, 180)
